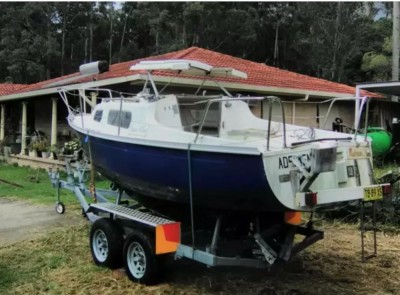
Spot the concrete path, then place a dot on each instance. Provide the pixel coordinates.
(21, 220)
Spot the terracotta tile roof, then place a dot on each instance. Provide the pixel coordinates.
(258, 74)
(7, 88)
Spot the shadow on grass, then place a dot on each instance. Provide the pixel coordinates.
(304, 275)
(7, 277)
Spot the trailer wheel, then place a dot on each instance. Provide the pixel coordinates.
(106, 243)
(60, 208)
(140, 259)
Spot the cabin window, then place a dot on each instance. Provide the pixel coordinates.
(114, 117)
(98, 115)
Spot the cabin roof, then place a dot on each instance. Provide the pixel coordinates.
(261, 78)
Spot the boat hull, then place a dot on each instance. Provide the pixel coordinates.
(160, 176)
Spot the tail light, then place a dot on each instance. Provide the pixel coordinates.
(387, 190)
(311, 199)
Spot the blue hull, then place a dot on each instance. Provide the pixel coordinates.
(159, 177)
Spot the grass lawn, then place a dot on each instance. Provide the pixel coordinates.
(60, 262)
(36, 186)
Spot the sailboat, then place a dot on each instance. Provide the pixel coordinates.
(212, 154)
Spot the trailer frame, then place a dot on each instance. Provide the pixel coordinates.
(118, 227)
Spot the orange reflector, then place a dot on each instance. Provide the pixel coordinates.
(168, 237)
(293, 217)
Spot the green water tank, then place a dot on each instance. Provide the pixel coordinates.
(381, 140)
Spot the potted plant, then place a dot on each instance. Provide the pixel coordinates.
(46, 153)
(72, 147)
(32, 150)
(42, 148)
(5, 146)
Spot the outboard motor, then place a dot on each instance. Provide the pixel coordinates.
(337, 125)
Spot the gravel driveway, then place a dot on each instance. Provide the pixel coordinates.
(22, 220)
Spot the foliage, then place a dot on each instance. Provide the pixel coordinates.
(41, 145)
(53, 148)
(387, 209)
(6, 141)
(331, 40)
(71, 146)
(378, 64)
(28, 47)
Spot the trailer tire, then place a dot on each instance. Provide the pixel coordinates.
(60, 208)
(141, 262)
(106, 243)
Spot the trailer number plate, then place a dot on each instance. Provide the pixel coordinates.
(373, 193)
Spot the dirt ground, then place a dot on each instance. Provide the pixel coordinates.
(331, 266)
(21, 220)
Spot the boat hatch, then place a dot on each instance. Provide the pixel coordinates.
(188, 67)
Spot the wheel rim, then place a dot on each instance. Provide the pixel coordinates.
(59, 208)
(136, 260)
(100, 245)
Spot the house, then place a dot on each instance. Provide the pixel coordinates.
(5, 89)
(302, 95)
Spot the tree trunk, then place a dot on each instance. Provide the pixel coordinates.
(48, 55)
(184, 38)
(63, 46)
(111, 36)
(157, 35)
(336, 42)
(276, 47)
(91, 32)
(396, 48)
(123, 34)
(86, 49)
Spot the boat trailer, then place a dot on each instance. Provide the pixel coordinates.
(123, 233)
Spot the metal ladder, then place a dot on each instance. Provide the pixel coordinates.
(129, 213)
(372, 224)
(370, 227)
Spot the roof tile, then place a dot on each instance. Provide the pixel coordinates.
(258, 74)
(7, 88)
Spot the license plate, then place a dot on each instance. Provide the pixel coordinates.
(373, 193)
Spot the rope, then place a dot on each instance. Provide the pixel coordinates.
(308, 133)
(92, 186)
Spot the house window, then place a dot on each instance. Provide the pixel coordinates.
(98, 115)
(114, 117)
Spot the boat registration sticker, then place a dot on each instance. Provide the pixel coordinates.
(373, 194)
(358, 153)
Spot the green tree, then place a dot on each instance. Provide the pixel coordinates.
(377, 62)
(339, 41)
(72, 23)
(330, 37)
(28, 45)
